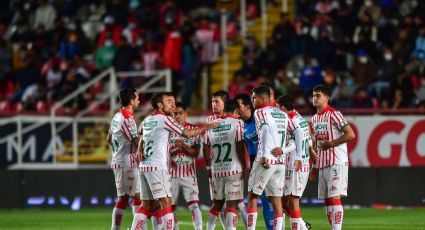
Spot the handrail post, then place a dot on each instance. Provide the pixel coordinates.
(75, 141)
(53, 131)
(284, 6)
(224, 47)
(168, 83)
(112, 91)
(264, 24)
(20, 136)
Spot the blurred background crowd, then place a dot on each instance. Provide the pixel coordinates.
(371, 53)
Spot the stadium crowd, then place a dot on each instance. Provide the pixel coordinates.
(371, 53)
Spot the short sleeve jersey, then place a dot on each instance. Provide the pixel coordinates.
(123, 131)
(222, 140)
(327, 126)
(185, 165)
(301, 123)
(156, 131)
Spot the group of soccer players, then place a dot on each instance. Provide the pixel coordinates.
(252, 137)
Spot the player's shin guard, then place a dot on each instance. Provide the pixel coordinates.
(231, 218)
(296, 221)
(279, 221)
(157, 220)
(136, 205)
(242, 211)
(252, 218)
(176, 221)
(168, 218)
(196, 215)
(139, 219)
(329, 211)
(212, 219)
(337, 213)
(117, 214)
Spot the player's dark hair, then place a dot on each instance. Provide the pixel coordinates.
(181, 105)
(126, 95)
(230, 106)
(323, 89)
(246, 100)
(158, 98)
(286, 101)
(262, 90)
(222, 94)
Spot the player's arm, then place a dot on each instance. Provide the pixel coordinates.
(109, 138)
(192, 151)
(241, 153)
(207, 157)
(139, 154)
(188, 133)
(348, 135)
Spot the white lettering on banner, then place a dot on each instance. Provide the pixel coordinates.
(383, 141)
(30, 146)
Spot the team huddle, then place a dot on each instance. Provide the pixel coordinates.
(253, 137)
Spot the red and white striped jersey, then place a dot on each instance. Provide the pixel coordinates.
(327, 126)
(223, 139)
(273, 127)
(301, 123)
(156, 130)
(185, 165)
(123, 131)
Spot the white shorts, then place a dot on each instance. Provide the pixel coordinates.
(228, 188)
(333, 181)
(155, 185)
(189, 187)
(127, 181)
(269, 180)
(295, 182)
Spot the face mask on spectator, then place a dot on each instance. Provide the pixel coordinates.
(388, 56)
(363, 60)
(305, 30)
(139, 42)
(131, 26)
(368, 3)
(108, 43)
(349, 2)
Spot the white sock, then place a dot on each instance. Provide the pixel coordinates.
(212, 219)
(338, 214)
(242, 211)
(139, 219)
(231, 219)
(329, 211)
(295, 219)
(252, 218)
(279, 221)
(196, 216)
(168, 218)
(157, 220)
(117, 215)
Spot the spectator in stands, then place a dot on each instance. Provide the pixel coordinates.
(189, 60)
(123, 56)
(173, 56)
(111, 31)
(401, 92)
(250, 53)
(240, 85)
(361, 99)
(69, 48)
(387, 70)
(54, 79)
(371, 9)
(310, 76)
(325, 49)
(32, 94)
(41, 42)
(283, 37)
(45, 15)
(169, 15)
(326, 6)
(105, 55)
(132, 32)
(151, 57)
(419, 52)
(343, 92)
(364, 70)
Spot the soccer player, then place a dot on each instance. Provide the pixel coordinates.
(153, 155)
(272, 127)
(246, 112)
(298, 166)
(123, 138)
(217, 103)
(184, 152)
(331, 133)
(228, 165)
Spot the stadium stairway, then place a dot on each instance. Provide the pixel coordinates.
(235, 49)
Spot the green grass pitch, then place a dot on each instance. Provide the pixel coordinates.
(100, 218)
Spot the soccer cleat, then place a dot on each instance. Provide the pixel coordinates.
(307, 225)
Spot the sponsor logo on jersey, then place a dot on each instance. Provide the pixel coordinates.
(222, 128)
(278, 115)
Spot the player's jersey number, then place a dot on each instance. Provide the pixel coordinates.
(220, 147)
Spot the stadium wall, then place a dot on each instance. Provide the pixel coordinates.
(95, 188)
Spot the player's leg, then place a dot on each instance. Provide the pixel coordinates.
(156, 211)
(143, 213)
(258, 179)
(323, 193)
(218, 202)
(338, 180)
(297, 185)
(191, 195)
(137, 202)
(163, 194)
(243, 213)
(121, 205)
(135, 191)
(233, 191)
(274, 191)
(175, 190)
